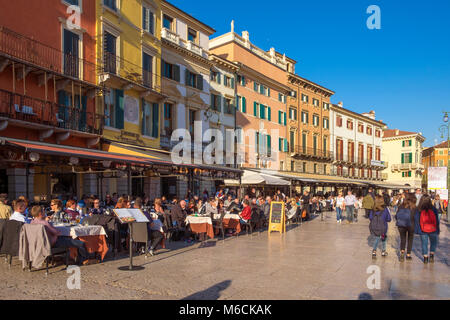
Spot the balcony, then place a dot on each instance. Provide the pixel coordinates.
(188, 45)
(24, 111)
(405, 166)
(305, 152)
(360, 162)
(129, 75)
(38, 58)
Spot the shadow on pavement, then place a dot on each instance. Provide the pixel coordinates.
(212, 293)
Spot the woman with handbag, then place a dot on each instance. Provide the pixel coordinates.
(427, 226)
(405, 224)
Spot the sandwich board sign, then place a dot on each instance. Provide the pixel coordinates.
(277, 221)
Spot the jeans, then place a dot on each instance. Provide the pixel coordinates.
(339, 214)
(368, 211)
(350, 211)
(406, 233)
(433, 243)
(155, 239)
(67, 242)
(383, 243)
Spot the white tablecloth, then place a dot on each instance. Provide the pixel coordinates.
(195, 220)
(81, 231)
(231, 216)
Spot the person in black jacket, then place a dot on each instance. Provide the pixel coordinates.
(179, 214)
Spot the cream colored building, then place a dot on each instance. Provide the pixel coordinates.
(403, 152)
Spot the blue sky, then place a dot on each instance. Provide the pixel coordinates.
(401, 71)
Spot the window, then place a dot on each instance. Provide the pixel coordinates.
(150, 119)
(326, 123)
(315, 102)
(110, 4)
(339, 121)
(71, 53)
(228, 106)
(167, 22)
(72, 2)
(194, 80)
(378, 133)
(241, 80)
(216, 102)
(407, 157)
(316, 120)
(315, 167)
(171, 71)
(282, 117)
(349, 124)
(292, 114)
(109, 49)
(192, 35)
(407, 143)
(147, 70)
(369, 131)
(215, 77)
(191, 122)
(304, 142)
(148, 20)
(315, 145)
(281, 97)
(304, 166)
(241, 104)
(168, 108)
(228, 82)
(406, 174)
(256, 86)
(361, 128)
(324, 169)
(305, 117)
(292, 141)
(305, 98)
(114, 109)
(326, 106)
(325, 145)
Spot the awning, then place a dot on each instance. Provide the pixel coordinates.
(67, 151)
(163, 157)
(251, 177)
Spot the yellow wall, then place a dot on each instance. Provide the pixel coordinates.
(130, 48)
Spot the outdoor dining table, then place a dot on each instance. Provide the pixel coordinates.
(230, 221)
(201, 225)
(94, 238)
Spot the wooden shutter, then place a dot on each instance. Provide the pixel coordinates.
(186, 76)
(403, 158)
(200, 82)
(119, 109)
(284, 114)
(155, 127)
(255, 86)
(176, 72)
(244, 105)
(269, 114)
(232, 83)
(144, 18)
(255, 109)
(262, 111)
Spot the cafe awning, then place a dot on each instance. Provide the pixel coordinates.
(257, 178)
(68, 151)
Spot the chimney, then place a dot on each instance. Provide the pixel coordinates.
(397, 132)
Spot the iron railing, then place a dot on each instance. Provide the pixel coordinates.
(311, 152)
(40, 55)
(19, 107)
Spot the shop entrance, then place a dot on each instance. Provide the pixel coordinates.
(64, 184)
(169, 187)
(3, 181)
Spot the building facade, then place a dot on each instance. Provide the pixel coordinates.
(48, 96)
(436, 156)
(261, 102)
(403, 154)
(356, 143)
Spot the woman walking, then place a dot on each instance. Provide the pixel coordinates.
(438, 204)
(405, 224)
(339, 207)
(427, 226)
(378, 226)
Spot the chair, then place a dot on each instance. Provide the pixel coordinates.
(218, 224)
(10, 243)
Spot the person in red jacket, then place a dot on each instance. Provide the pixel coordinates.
(246, 214)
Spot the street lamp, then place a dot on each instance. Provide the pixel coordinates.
(446, 128)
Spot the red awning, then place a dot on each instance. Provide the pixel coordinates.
(75, 152)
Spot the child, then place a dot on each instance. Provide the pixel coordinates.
(378, 226)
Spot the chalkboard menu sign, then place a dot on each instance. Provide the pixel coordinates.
(277, 220)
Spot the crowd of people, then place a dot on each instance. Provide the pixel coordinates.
(168, 217)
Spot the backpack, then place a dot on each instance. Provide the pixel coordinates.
(376, 226)
(403, 218)
(428, 223)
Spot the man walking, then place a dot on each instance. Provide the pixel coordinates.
(5, 210)
(368, 203)
(350, 201)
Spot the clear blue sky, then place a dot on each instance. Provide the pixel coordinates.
(401, 71)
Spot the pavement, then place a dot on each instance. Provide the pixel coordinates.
(319, 260)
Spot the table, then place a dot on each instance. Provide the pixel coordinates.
(201, 225)
(94, 238)
(230, 221)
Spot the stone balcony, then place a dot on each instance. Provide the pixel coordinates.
(188, 45)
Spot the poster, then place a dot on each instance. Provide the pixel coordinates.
(443, 194)
(437, 178)
(131, 110)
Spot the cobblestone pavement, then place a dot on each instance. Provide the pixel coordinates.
(318, 260)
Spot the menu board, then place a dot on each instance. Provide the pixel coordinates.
(277, 220)
(130, 215)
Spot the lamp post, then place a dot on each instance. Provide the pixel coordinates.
(446, 127)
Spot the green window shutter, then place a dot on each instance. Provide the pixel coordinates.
(186, 76)
(403, 158)
(144, 113)
(176, 73)
(144, 18)
(255, 86)
(286, 146)
(155, 129)
(403, 143)
(269, 144)
(280, 144)
(219, 77)
(243, 81)
(284, 113)
(200, 82)
(238, 104)
(269, 114)
(232, 83)
(119, 109)
(279, 117)
(255, 109)
(262, 113)
(410, 158)
(261, 89)
(268, 92)
(244, 105)
(257, 142)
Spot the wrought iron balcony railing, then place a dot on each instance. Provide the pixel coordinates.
(36, 54)
(311, 152)
(23, 108)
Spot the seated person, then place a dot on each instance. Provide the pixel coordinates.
(96, 209)
(246, 214)
(56, 212)
(71, 209)
(154, 227)
(57, 241)
(20, 207)
(235, 207)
